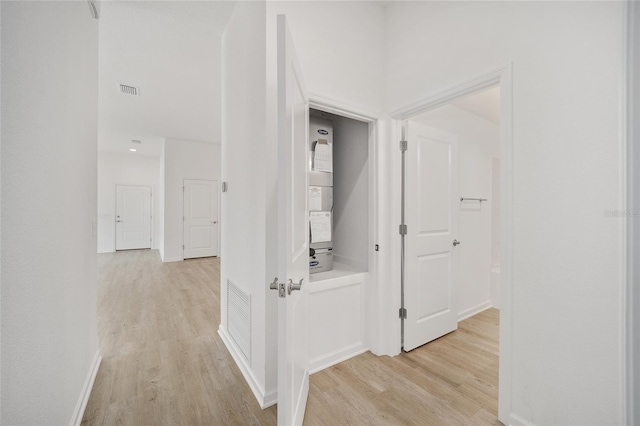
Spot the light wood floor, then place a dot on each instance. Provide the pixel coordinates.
(164, 364)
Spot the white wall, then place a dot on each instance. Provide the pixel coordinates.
(49, 138)
(183, 160)
(351, 192)
(634, 191)
(160, 205)
(478, 140)
(566, 56)
(124, 169)
(244, 167)
(340, 46)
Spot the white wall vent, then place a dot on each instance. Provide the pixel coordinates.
(239, 318)
(129, 90)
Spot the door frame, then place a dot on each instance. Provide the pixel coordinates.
(501, 77)
(115, 204)
(373, 321)
(219, 210)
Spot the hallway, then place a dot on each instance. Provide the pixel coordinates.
(164, 364)
(163, 361)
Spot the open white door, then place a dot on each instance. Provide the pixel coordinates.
(431, 206)
(133, 217)
(200, 218)
(293, 233)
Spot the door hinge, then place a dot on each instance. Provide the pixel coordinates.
(183, 247)
(402, 229)
(402, 313)
(377, 247)
(403, 145)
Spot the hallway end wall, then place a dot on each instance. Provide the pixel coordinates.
(183, 160)
(124, 169)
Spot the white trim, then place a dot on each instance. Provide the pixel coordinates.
(468, 313)
(257, 389)
(81, 405)
(336, 357)
(501, 76)
(172, 259)
(628, 155)
(332, 106)
(450, 94)
(516, 420)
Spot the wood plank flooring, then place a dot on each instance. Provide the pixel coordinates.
(164, 364)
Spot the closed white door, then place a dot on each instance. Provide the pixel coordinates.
(293, 234)
(201, 227)
(431, 208)
(133, 217)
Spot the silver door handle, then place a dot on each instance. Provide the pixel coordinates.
(455, 242)
(275, 285)
(293, 286)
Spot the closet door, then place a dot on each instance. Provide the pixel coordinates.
(431, 209)
(293, 234)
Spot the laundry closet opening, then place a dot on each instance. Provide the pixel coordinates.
(340, 217)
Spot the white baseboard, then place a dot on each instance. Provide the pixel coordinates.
(105, 251)
(172, 259)
(270, 398)
(516, 420)
(474, 311)
(245, 369)
(327, 360)
(78, 413)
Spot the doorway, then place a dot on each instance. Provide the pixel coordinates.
(200, 218)
(452, 208)
(133, 217)
(476, 205)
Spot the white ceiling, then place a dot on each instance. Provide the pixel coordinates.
(171, 51)
(485, 104)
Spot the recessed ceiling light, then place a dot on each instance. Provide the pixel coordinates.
(132, 149)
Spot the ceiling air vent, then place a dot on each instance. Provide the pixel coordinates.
(136, 141)
(129, 90)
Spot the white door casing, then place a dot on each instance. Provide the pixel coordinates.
(293, 232)
(133, 217)
(431, 206)
(200, 218)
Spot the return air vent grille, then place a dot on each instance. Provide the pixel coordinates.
(129, 90)
(239, 318)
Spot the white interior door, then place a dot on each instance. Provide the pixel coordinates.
(431, 209)
(133, 217)
(200, 233)
(293, 233)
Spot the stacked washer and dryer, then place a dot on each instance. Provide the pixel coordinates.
(320, 199)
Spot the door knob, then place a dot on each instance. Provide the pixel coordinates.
(455, 242)
(214, 221)
(293, 286)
